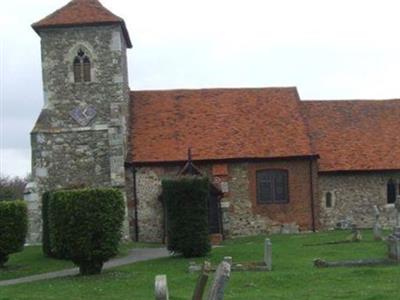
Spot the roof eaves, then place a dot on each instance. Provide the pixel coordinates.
(125, 32)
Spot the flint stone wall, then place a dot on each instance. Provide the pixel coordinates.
(65, 152)
(354, 196)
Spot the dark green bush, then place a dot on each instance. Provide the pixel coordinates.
(13, 228)
(85, 225)
(187, 215)
(48, 248)
(45, 225)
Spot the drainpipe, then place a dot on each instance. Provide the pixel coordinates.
(134, 189)
(312, 197)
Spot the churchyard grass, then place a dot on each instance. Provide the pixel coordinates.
(31, 261)
(293, 275)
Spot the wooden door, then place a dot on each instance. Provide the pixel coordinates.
(214, 214)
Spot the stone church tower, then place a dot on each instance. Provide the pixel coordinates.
(79, 138)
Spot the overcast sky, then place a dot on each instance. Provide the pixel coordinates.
(341, 49)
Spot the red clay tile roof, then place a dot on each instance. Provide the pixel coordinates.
(217, 124)
(355, 135)
(82, 12)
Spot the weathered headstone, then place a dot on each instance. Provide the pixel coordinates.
(202, 281)
(378, 234)
(377, 229)
(345, 223)
(268, 254)
(393, 240)
(355, 235)
(161, 287)
(228, 259)
(397, 206)
(289, 228)
(320, 263)
(377, 213)
(220, 281)
(193, 267)
(393, 247)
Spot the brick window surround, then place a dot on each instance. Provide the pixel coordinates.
(272, 186)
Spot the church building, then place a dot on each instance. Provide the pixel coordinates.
(279, 163)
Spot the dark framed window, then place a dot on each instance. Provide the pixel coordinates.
(391, 191)
(272, 186)
(328, 199)
(82, 67)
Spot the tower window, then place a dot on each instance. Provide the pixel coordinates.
(82, 67)
(391, 191)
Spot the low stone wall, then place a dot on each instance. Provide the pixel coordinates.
(353, 198)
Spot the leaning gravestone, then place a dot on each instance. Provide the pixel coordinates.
(202, 281)
(221, 278)
(377, 230)
(161, 287)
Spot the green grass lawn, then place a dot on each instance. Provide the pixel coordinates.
(293, 275)
(31, 261)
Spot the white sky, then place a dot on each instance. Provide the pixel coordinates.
(338, 49)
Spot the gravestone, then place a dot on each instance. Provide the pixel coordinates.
(355, 235)
(377, 230)
(290, 228)
(221, 278)
(161, 287)
(394, 247)
(193, 267)
(228, 259)
(202, 281)
(345, 223)
(397, 206)
(394, 239)
(268, 254)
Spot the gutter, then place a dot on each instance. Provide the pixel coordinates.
(225, 160)
(131, 166)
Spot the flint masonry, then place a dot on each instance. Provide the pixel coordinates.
(280, 164)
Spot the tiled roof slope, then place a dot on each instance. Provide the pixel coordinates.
(355, 135)
(82, 12)
(217, 124)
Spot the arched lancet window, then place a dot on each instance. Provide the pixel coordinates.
(328, 200)
(391, 191)
(82, 67)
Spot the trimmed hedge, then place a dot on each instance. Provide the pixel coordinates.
(46, 247)
(186, 201)
(49, 243)
(85, 226)
(13, 228)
